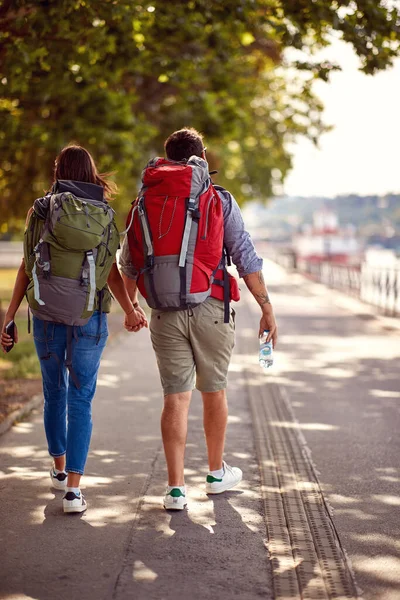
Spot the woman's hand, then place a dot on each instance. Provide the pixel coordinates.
(135, 320)
(6, 340)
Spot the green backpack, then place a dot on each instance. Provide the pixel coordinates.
(70, 245)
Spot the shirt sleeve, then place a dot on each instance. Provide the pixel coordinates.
(125, 262)
(236, 239)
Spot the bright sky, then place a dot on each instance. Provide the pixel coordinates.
(362, 153)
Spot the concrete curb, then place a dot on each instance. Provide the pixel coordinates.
(20, 413)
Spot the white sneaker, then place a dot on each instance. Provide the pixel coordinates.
(231, 477)
(58, 481)
(74, 503)
(175, 499)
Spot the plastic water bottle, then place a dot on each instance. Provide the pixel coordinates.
(265, 357)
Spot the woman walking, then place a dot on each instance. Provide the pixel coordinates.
(67, 273)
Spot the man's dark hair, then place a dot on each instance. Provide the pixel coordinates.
(183, 144)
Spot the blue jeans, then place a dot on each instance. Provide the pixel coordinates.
(67, 409)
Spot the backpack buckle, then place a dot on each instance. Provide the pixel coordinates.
(150, 262)
(191, 204)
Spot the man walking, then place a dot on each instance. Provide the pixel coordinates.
(192, 330)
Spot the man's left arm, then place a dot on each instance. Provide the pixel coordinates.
(129, 277)
(249, 265)
(256, 285)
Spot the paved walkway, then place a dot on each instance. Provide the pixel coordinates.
(338, 373)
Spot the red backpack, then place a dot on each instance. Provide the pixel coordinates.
(175, 236)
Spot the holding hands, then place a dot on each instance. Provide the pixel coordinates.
(135, 320)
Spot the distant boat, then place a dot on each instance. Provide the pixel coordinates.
(325, 241)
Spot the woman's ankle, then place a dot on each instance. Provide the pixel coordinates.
(59, 462)
(74, 480)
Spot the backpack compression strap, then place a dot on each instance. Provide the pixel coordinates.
(71, 332)
(148, 242)
(42, 261)
(190, 214)
(92, 279)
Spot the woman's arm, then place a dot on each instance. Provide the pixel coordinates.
(133, 317)
(21, 283)
(131, 287)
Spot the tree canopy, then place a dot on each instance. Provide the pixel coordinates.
(118, 76)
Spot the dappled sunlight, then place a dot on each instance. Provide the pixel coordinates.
(389, 479)
(305, 426)
(385, 393)
(108, 380)
(95, 481)
(107, 363)
(233, 419)
(356, 513)
(340, 499)
(25, 474)
(388, 470)
(147, 438)
(137, 398)
(23, 427)
(142, 573)
(37, 516)
(386, 499)
(241, 361)
(24, 451)
(201, 508)
(19, 597)
(386, 568)
(242, 455)
(102, 516)
(378, 539)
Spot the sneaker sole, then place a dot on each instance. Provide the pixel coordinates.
(175, 507)
(74, 509)
(225, 488)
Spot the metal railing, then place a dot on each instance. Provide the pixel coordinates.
(379, 287)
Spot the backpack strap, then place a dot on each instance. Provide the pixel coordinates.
(227, 287)
(92, 279)
(225, 284)
(146, 232)
(68, 360)
(134, 209)
(191, 213)
(42, 261)
(226, 296)
(100, 299)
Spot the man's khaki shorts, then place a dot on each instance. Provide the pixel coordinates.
(193, 345)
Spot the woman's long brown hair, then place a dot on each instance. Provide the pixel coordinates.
(76, 163)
